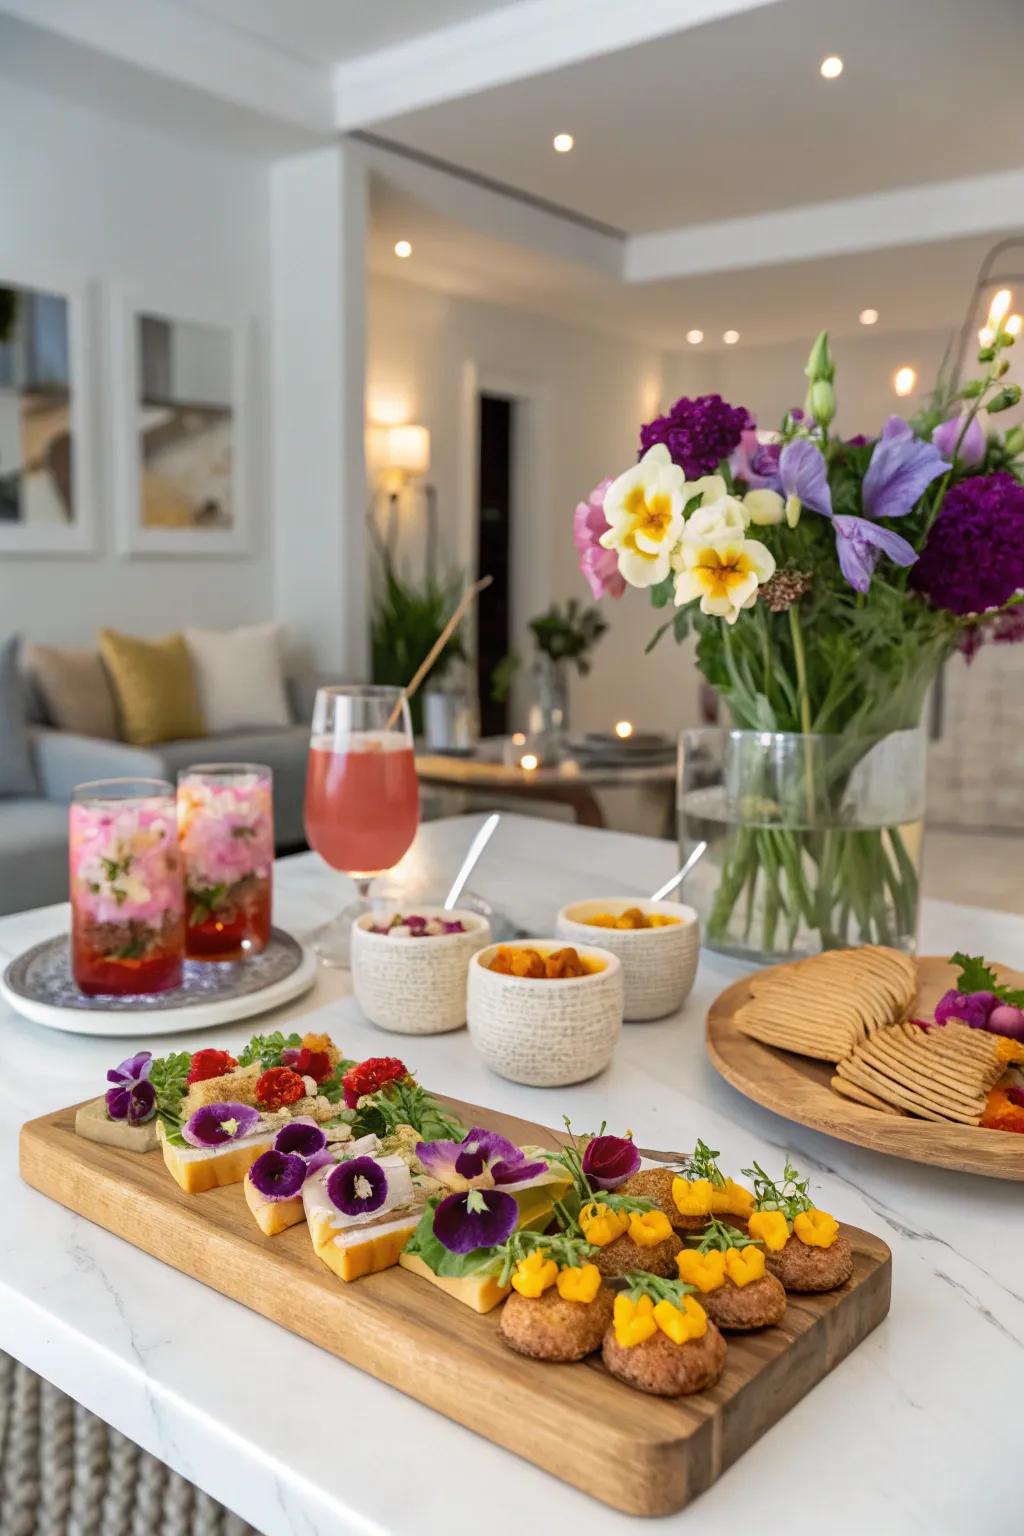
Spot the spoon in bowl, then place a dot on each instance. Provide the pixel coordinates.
(681, 874)
(468, 864)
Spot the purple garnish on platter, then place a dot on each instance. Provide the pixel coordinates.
(357, 1187)
(279, 1175)
(609, 1161)
(302, 1136)
(481, 1160)
(216, 1124)
(971, 1008)
(479, 1218)
(133, 1097)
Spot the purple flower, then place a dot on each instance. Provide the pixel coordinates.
(901, 469)
(803, 474)
(698, 434)
(215, 1124)
(973, 559)
(859, 544)
(357, 1187)
(133, 1097)
(480, 1161)
(972, 449)
(756, 463)
(1002, 629)
(599, 565)
(972, 1008)
(609, 1161)
(302, 1136)
(858, 440)
(278, 1175)
(479, 1218)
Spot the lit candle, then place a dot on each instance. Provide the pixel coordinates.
(624, 729)
(528, 761)
(518, 739)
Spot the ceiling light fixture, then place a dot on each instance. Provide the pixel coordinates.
(868, 317)
(403, 249)
(562, 143)
(832, 67)
(903, 380)
(730, 338)
(695, 338)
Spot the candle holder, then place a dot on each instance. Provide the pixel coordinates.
(226, 830)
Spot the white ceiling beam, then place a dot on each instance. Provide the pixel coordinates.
(946, 210)
(531, 37)
(183, 46)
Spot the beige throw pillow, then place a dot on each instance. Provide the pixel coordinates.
(240, 676)
(75, 689)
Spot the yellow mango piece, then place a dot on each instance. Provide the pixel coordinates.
(816, 1228)
(692, 1197)
(744, 1265)
(704, 1270)
(770, 1228)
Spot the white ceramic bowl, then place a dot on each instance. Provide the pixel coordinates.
(658, 964)
(543, 1033)
(415, 986)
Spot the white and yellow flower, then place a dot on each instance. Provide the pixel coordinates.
(644, 508)
(767, 508)
(724, 571)
(717, 514)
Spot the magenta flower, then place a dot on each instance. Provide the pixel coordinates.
(600, 566)
(609, 1161)
(698, 434)
(973, 559)
(215, 1124)
(133, 1097)
(972, 1008)
(481, 1160)
(972, 449)
(901, 469)
(479, 1218)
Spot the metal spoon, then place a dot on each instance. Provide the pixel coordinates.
(468, 865)
(680, 875)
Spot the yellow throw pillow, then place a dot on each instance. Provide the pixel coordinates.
(154, 686)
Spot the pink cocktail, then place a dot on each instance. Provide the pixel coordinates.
(127, 893)
(226, 831)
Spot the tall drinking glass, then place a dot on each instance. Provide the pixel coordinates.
(362, 796)
(226, 831)
(127, 892)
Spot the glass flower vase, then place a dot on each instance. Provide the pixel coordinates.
(226, 829)
(814, 841)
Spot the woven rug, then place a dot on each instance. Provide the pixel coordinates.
(63, 1472)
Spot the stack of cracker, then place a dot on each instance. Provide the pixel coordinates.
(828, 1005)
(942, 1073)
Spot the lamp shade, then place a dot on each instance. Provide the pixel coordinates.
(402, 450)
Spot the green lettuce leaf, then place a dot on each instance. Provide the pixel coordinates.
(441, 1261)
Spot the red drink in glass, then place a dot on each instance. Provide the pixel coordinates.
(226, 830)
(362, 805)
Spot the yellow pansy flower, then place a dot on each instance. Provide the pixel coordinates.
(534, 1274)
(649, 1228)
(704, 1270)
(644, 508)
(601, 1225)
(731, 1199)
(633, 1321)
(744, 1265)
(816, 1228)
(724, 572)
(682, 1323)
(692, 1196)
(770, 1228)
(579, 1284)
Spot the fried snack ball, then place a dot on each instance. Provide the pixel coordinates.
(564, 963)
(655, 1184)
(666, 1369)
(802, 1268)
(624, 1254)
(742, 1307)
(548, 1328)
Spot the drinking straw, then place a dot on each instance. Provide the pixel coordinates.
(438, 646)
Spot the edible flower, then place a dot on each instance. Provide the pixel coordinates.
(307, 1063)
(479, 1218)
(579, 1282)
(368, 1076)
(534, 1274)
(482, 1160)
(649, 1228)
(210, 1063)
(278, 1175)
(859, 543)
(644, 507)
(302, 1136)
(816, 1228)
(278, 1087)
(803, 482)
(610, 1160)
(681, 1322)
(602, 1225)
(215, 1124)
(133, 1097)
(902, 468)
(971, 451)
(704, 1270)
(633, 1321)
(692, 1197)
(744, 1265)
(731, 1199)
(357, 1187)
(724, 572)
(770, 1228)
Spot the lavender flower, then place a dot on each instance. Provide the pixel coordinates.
(859, 544)
(133, 1097)
(973, 558)
(479, 1218)
(972, 449)
(698, 434)
(481, 1160)
(902, 468)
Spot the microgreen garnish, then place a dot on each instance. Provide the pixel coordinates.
(204, 902)
(567, 1251)
(702, 1164)
(266, 1049)
(169, 1076)
(570, 1157)
(789, 1196)
(637, 1283)
(976, 975)
(404, 1102)
(721, 1236)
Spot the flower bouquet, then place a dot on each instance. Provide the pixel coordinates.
(826, 580)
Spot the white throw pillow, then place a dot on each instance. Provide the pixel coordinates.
(239, 676)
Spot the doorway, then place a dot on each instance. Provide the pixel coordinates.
(496, 416)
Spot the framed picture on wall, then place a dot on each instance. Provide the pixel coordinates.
(47, 502)
(181, 403)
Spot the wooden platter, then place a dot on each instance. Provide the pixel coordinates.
(797, 1088)
(640, 1454)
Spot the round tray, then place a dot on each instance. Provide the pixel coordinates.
(797, 1088)
(38, 984)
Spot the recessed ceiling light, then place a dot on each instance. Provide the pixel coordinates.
(563, 142)
(403, 249)
(730, 338)
(832, 67)
(903, 380)
(695, 338)
(868, 317)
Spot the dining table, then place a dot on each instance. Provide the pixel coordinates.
(917, 1430)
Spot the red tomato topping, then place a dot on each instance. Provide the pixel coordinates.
(369, 1075)
(279, 1086)
(210, 1063)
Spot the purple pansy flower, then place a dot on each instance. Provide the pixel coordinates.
(279, 1175)
(901, 469)
(302, 1135)
(357, 1187)
(609, 1161)
(859, 544)
(215, 1124)
(480, 1161)
(972, 449)
(478, 1218)
(803, 477)
(133, 1097)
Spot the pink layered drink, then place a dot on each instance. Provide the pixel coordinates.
(127, 893)
(226, 830)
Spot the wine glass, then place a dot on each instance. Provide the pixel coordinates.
(362, 795)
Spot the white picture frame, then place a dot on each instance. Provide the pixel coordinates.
(133, 538)
(80, 535)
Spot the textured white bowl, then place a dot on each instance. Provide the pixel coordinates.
(415, 986)
(658, 964)
(545, 1034)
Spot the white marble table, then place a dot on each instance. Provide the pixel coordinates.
(918, 1431)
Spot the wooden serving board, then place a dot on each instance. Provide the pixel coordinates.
(797, 1087)
(641, 1454)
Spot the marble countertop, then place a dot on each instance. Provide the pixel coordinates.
(918, 1431)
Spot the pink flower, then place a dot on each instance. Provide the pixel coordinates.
(600, 566)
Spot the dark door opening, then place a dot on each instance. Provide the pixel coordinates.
(494, 543)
